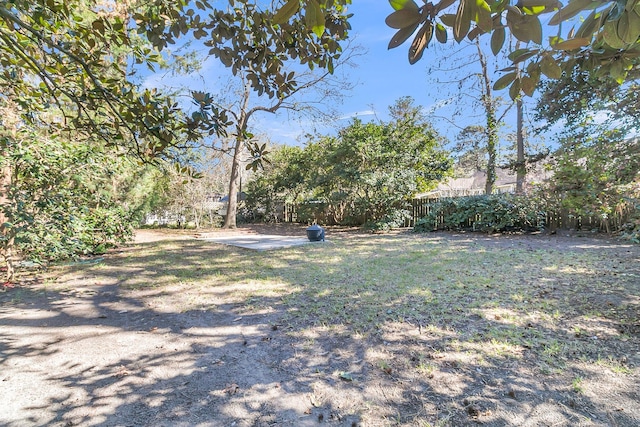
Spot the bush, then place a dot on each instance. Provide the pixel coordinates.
(85, 232)
(487, 213)
(393, 219)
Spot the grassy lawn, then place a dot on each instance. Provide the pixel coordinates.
(432, 329)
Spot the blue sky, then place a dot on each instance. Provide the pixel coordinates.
(381, 77)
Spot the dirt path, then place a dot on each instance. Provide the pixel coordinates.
(92, 353)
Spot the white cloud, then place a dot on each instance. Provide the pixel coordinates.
(357, 114)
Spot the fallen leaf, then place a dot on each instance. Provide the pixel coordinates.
(232, 389)
(346, 376)
(122, 371)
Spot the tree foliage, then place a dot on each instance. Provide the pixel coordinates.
(606, 40)
(67, 198)
(596, 173)
(365, 174)
(603, 36)
(86, 52)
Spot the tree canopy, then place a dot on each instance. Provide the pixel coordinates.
(82, 56)
(603, 35)
(367, 173)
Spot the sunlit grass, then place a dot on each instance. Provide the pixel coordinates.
(497, 301)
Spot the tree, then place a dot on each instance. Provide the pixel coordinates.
(66, 198)
(278, 87)
(71, 65)
(606, 41)
(479, 141)
(369, 171)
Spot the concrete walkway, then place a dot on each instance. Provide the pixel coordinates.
(259, 242)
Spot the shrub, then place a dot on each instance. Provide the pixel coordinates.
(393, 219)
(487, 213)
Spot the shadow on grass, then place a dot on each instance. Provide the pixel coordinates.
(401, 330)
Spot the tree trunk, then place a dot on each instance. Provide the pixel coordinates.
(492, 125)
(234, 181)
(7, 233)
(232, 206)
(521, 167)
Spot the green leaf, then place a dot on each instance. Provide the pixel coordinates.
(483, 16)
(403, 4)
(497, 40)
(441, 33)
(550, 68)
(589, 25)
(314, 18)
(610, 35)
(403, 18)
(448, 19)
(629, 27)
(402, 35)
(463, 20)
(528, 85)
(571, 44)
(421, 42)
(444, 4)
(516, 53)
(504, 81)
(514, 90)
(524, 56)
(572, 9)
(286, 12)
(617, 71)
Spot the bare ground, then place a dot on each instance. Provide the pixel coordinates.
(78, 347)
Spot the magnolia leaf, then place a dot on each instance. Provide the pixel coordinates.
(444, 4)
(497, 40)
(610, 35)
(533, 26)
(286, 12)
(402, 35)
(441, 33)
(498, 6)
(617, 8)
(314, 18)
(629, 27)
(403, 4)
(528, 85)
(421, 42)
(634, 24)
(463, 20)
(550, 68)
(483, 16)
(533, 10)
(516, 53)
(471, 35)
(448, 19)
(571, 44)
(572, 9)
(550, 4)
(524, 56)
(403, 18)
(617, 71)
(589, 25)
(514, 90)
(504, 81)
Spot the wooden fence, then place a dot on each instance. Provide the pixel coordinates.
(555, 220)
(562, 220)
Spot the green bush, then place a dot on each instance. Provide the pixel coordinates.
(393, 219)
(85, 232)
(487, 213)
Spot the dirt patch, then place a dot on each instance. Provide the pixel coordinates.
(172, 331)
